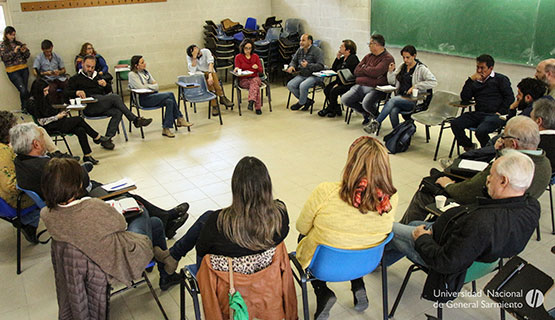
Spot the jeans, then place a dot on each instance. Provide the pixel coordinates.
(162, 99)
(484, 123)
(402, 244)
(393, 107)
(109, 105)
(20, 78)
(189, 240)
(300, 85)
(153, 228)
(367, 95)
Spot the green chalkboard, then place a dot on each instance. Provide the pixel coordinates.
(514, 31)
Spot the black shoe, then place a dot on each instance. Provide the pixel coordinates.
(251, 105)
(182, 209)
(87, 166)
(324, 112)
(173, 225)
(258, 112)
(108, 145)
(366, 120)
(141, 122)
(307, 105)
(296, 106)
(169, 281)
(90, 159)
(30, 233)
(325, 299)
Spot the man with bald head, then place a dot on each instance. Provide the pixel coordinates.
(305, 61)
(545, 71)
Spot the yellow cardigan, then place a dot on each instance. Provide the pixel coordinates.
(326, 219)
(8, 191)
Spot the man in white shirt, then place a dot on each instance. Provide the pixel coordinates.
(202, 60)
(50, 66)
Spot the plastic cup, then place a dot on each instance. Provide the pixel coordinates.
(72, 101)
(415, 93)
(440, 201)
(78, 101)
(285, 66)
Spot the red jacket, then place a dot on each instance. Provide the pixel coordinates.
(243, 63)
(269, 293)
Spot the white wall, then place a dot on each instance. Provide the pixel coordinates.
(159, 31)
(334, 20)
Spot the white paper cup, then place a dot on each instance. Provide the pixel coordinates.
(78, 101)
(440, 201)
(415, 93)
(72, 101)
(285, 66)
(239, 70)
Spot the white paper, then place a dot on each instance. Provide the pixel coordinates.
(122, 69)
(124, 205)
(388, 88)
(87, 99)
(245, 72)
(142, 90)
(118, 185)
(473, 165)
(75, 107)
(449, 206)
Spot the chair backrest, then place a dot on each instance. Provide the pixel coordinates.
(250, 24)
(124, 75)
(354, 263)
(273, 34)
(440, 104)
(197, 79)
(34, 196)
(479, 269)
(317, 43)
(292, 26)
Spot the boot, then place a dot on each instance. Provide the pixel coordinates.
(181, 122)
(215, 111)
(167, 132)
(359, 295)
(325, 299)
(226, 102)
(141, 122)
(164, 256)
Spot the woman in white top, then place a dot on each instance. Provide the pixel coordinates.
(411, 74)
(140, 78)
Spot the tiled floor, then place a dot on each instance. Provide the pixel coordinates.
(300, 150)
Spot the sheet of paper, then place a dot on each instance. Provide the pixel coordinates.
(118, 185)
(449, 206)
(388, 88)
(75, 107)
(245, 72)
(88, 99)
(143, 90)
(473, 165)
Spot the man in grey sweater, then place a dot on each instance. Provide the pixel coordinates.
(305, 61)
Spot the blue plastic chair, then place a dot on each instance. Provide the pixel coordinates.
(34, 196)
(193, 89)
(271, 36)
(354, 264)
(189, 282)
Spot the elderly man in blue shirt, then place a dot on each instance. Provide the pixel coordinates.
(50, 66)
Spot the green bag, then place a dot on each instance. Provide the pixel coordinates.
(237, 306)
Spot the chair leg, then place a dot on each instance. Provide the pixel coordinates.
(551, 202)
(182, 294)
(427, 133)
(141, 128)
(439, 140)
(67, 145)
(474, 286)
(123, 129)
(154, 295)
(350, 114)
(312, 105)
(439, 312)
(385, 308)
(538, 236)
(220, 113)
(304, 290)
(239, 98)
(269, 95)
(194, 106)
(288, 100)
(402, 289)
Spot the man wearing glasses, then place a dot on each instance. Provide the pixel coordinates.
(521, 134)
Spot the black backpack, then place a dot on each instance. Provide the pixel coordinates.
(398, 140)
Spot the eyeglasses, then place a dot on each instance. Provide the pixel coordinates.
(508, 137)
(248, 48)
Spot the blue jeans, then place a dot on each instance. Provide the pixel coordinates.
(393, 107)
(368, 96)
(484, 123)
(153, 228)
(162, 99)
(189, 240)
(402, 244)
(300, 85)
(20, 78)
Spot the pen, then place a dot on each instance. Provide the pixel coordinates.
(511, 275)
(119, 185)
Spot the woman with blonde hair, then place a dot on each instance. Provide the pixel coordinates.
(354, 213)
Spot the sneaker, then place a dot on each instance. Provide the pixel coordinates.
(164, 256)
(90, 159)
(141, 122)
(445, 162)
(30, 233)
(251, 105)
(258, 112)
(169, 281)
(325, 299)
(181, 122)
(167, 133)
(360, 299)
(296, 106)
(173, 225)
(226, 102)
(372, 127)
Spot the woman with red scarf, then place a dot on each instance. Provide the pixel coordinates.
(354, 213)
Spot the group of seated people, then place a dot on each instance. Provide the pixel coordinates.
(498, 209)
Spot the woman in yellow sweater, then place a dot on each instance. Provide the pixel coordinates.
(355, 213)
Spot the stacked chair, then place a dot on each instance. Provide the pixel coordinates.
(271, 22)
(268, 48)
(220, 44)
(289, 40)
(250, 30)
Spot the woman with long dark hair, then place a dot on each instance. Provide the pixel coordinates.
(14, 54)
(54, 120)
(140, 78)
(252, 226)
(355, 213)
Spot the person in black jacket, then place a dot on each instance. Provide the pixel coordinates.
(88, 83)
(489, 229)
(61, 121)
(493, 95)
(346, 59)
